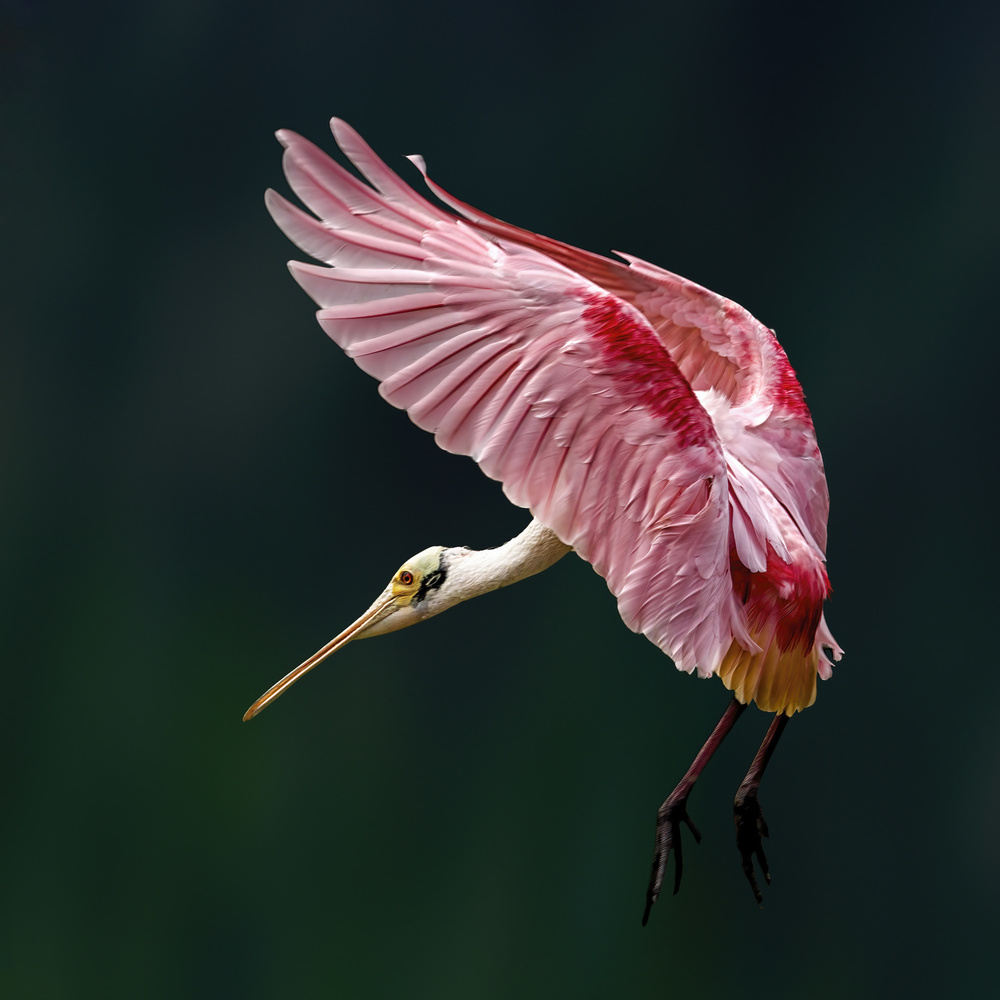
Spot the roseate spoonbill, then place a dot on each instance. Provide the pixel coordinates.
(650, 425)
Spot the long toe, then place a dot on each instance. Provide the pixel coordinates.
(668, 838)
(751, 828)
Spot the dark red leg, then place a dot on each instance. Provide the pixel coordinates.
(674, 810)
(750, 824)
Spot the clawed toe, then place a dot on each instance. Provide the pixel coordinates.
(668, 838)
(751, 827)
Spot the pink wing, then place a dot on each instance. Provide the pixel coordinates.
(557, 388)
(717, 345)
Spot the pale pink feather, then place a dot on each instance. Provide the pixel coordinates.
(649, 422)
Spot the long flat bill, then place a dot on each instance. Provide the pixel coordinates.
(375, 613)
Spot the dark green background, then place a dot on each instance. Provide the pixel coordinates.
(198, 490)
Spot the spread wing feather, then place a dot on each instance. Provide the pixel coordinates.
(718, 346)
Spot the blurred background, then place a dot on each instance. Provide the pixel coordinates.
(198, 490)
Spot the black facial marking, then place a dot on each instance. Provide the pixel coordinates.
(431, 582)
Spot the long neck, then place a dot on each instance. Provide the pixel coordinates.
(479, 572)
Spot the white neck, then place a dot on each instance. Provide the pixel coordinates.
(471, 572)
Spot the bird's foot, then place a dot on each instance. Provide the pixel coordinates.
(671, 814)
(750, 828)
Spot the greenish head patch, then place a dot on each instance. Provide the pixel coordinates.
(418, 576)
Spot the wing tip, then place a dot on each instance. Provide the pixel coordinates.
(344, 135)
(418, 161)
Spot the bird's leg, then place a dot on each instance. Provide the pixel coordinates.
(674, 811)
(750, 824)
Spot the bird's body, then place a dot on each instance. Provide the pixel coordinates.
(652, 426)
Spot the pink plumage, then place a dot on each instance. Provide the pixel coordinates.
(654, 426)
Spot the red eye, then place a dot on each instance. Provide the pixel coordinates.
(406, 577)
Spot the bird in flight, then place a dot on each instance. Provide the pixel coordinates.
(648, 424)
